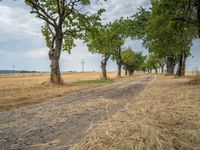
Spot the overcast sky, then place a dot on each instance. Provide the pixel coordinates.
(22, 44)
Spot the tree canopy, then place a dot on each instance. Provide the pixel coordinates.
(132, 61)
(65, 21)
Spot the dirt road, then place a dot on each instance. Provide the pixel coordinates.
(61, 122)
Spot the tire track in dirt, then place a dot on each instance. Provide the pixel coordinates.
(65, 120)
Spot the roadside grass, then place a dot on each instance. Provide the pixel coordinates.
(96, 81)
(195, 78)
(166, 116)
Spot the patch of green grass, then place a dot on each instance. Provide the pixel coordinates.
(96, 81)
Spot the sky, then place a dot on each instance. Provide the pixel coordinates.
(22, 44)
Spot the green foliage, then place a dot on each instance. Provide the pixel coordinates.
(132, 60)
(161, 34)
(97, 81)
(151, 62)
(128, 57)
(165, 36)
(106, 39)
(63, 20)
(136, 25)
(100, 40)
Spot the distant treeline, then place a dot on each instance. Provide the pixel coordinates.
(17, 71)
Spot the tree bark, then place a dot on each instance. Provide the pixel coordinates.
(162, 64)
(156, 70)
(126, 71)
(55, 71)
(162, 69)
(119, 74)
(54, 56)
(130, 72)
(181, 66)
(119, 62)
(170, 65)
(103, 66)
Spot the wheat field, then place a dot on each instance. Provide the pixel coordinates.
(26, 89)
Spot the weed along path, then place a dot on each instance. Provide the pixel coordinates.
(59, 123)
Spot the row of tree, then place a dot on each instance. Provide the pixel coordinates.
(66, 22)
(167, 31)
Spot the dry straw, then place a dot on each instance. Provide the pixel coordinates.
(166, 116)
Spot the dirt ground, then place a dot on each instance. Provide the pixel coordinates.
(27, 89)
(165, 116)
(62, 122)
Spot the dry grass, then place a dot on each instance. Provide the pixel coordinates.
(195, 78)
(21, 90)
(166, 116)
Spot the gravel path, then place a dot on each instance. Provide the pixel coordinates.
(59, 123)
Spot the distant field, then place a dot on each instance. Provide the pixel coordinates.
(25, 89)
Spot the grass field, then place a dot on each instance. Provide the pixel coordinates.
(166, 116)
(26, 89)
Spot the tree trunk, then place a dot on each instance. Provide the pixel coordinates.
(103, 66)
(156, 70)
(130, 73)
(181, 66)
(55, 71)
(170, 65)
(54, 56)
(119, 74)
(119, 62)
(126, 71)
(162, 69)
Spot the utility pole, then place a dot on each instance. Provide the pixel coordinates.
(13, 67)
(83, 63)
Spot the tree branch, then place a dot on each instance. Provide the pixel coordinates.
(41, 16)
(186, 19)
(41, 12)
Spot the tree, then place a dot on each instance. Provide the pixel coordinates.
(132, 61)
(136, 25)
(189, 12)
(99, 40)
(169, 38)
(166, 38)
(65, 21)
(119, 34)
(107, 41)
(152, 63)
(127, 59)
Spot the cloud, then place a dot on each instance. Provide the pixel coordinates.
(22, 44)
(116, 9)
(37, 54)
(19, 30)
(15, 20)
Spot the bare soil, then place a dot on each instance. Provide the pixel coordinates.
(62, 122)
